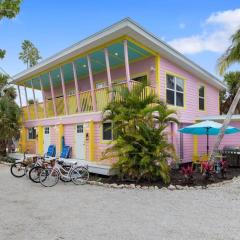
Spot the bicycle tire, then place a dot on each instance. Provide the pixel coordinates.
(18, 166)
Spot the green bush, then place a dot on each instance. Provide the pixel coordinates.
(140, 142)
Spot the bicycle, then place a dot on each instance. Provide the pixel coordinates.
(18, 168)
(50, 176)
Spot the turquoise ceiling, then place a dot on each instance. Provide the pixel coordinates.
(116, 59)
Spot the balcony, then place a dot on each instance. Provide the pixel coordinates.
(86, 103)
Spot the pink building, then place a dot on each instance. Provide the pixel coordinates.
(74, 85)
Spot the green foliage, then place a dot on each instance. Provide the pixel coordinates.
(30, 54)
(139, 125)
(232, 79)
(232, 54)
(8, 9)
(9, 113)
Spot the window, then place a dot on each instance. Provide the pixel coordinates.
(201, 94)
(141, 79)
(107, 131)
(46, 130)
(31, 133)
(175, 91)
(71, 92)
(80, 128)
(101, 85)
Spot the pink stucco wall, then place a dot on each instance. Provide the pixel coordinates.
(190, 112)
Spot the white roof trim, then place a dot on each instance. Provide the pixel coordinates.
(124, 27)
(218, 117)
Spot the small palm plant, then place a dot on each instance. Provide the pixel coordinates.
(140, 138)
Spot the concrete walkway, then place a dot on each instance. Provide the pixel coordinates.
(29, 211)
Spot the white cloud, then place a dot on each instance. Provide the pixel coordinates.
(215, 36)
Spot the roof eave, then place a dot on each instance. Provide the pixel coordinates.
(124, 27)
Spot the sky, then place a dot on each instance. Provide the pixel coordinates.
(200, 30)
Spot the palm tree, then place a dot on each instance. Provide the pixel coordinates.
(232, 54)
(9, 113)
(139, 127)
(232, 79)
(30, 54)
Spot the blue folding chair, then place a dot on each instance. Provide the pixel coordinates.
(51, 151)
(66, 152)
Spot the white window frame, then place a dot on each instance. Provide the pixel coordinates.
(175, 90)
(200, 97)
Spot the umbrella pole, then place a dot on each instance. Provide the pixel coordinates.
(207, 142)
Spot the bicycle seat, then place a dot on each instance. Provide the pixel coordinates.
(60, 162)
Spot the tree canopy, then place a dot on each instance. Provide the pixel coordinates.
(30, 54)
(8, 9)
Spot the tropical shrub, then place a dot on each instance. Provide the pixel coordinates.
(9, 114)
(140, 141)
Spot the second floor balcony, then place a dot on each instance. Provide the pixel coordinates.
(39, 110)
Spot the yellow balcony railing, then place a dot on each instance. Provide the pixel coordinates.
(85, 99)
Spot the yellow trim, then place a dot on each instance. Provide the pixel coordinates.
(141, 45)
(23, 139)
(184, 90)
(40, 140)
(157, 73)
(195, 145)
(61, 134)
(107, 44)
(205, 97)
(116, 80)
(91, 141)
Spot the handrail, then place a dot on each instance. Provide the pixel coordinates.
(102, 99)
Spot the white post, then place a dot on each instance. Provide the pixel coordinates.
(43, 97)
(125, 45)
(91, 84)
(53, 95)
(20, 99)
(108, 73)
(34, 99)
(64, 91)
(26, 96)
(76, 86)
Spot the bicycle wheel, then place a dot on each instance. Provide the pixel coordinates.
(79, 175)
(49, 177)
(18, 169)
(28, 168)
(34, 174)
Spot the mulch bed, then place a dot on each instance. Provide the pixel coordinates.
(176, 179)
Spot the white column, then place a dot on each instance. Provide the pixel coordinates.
(76, 86)
(43, 97)
(127, 64)
(53, 95)
(91, 84)
(26, 96)
(108, 73)
(34, 99)
(64, 91)
(20, 100)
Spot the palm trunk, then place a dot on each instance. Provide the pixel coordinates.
(225, 125)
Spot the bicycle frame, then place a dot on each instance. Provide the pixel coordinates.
(62, 171)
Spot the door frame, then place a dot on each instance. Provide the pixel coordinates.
(44, 137)
(84, 140)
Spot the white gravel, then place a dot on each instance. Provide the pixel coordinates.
(30, 211)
